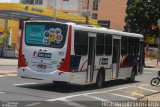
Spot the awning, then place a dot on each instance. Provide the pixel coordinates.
(16, 11)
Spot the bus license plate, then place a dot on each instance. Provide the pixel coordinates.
(44, 55)
(41, 66)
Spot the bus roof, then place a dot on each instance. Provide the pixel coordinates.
(95, 30)
(107, 31)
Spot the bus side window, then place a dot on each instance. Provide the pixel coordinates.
(137, 45)
(131, 45)
(124, 46)
(108, 44)
(114, 58)
(100, 44)
(81, 43)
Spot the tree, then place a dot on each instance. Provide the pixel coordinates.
(142, 16)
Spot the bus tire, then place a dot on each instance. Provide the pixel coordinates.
(100, 79)
(133, 75)
(59, 83)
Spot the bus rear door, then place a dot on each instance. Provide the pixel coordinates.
(91, 57)
(115, 58)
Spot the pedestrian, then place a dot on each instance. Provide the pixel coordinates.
(0, 50)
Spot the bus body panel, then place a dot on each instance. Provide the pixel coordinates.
(43, 62)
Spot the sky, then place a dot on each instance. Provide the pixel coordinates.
(13, 1)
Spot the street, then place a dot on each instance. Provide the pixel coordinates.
(35, 93)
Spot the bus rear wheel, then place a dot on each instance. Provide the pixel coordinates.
(59, 83)
(132, 78)
(100, 80)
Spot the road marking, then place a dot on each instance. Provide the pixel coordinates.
(76, 95)
(24, 84)
(96, 98)
(1, 76)
(148, 72)
(9, 75)
(148, 89)
(33, 104)
(153, 69)
(72, 103)
(2, 92)
(124, 96)
(145, 84)
(137, 94)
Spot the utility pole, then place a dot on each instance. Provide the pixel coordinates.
(54, 8)
(87, 17)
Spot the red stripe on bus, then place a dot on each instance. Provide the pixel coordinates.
(66, 64)
(21, 62)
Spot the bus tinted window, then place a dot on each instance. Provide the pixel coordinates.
(137, 43)
(124, 46)
(108, 44)
(45, 34)
(81, 43)
(100, 44)
(131, 45)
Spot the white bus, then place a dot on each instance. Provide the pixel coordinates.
(66, 52)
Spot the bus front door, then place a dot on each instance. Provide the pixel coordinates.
(115, 58)
(91, 59)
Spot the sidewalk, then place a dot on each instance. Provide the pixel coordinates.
(8, 62)
(151, 63)
(153, 97)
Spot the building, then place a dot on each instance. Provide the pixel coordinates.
(67, 6)
(40, 3)
(13, 13)
(109, 13)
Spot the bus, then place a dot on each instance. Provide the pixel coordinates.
(71, 53)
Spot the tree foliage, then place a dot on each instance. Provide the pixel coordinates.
(142, 16)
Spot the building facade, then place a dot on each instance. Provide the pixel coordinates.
(110, 13)
(67, 6)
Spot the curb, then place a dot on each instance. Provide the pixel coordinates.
(155, 69)
(7, 73)
(8, 64)
(4, 72)
(147, 95)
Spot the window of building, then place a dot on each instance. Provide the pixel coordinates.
(95, 5)
(94, 15)
(108, 44)
(27, 1)
(81, 43)
(100, 44)
(38, 2)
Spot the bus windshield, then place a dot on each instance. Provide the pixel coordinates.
(45, 34)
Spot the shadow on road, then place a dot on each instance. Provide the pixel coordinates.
(71, 88)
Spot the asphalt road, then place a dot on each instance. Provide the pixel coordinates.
(34, 93)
